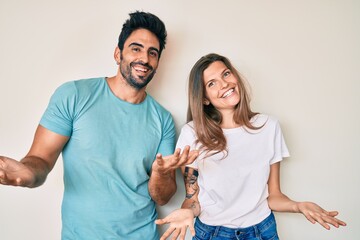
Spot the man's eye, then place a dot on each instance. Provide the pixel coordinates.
(153, 53)
(136, 49)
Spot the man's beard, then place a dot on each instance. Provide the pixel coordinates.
(125, 71)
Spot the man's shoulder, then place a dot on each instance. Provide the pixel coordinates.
(81, 83)
(89, 87)
(158, 106)
(77, 88)
(89, 82)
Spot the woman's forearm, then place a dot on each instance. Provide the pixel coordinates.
(281, 203)
(192, 204)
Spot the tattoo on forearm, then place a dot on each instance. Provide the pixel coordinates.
(190, 178)
(194, 205)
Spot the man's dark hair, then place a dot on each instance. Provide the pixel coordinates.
(147, 21)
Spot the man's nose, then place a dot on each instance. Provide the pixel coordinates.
(144, 57)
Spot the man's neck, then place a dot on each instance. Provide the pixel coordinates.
(124, 91)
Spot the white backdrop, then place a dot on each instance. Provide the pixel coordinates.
(302, 59)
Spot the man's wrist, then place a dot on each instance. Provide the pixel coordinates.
(162, 174)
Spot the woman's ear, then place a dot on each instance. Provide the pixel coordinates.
(206, 102)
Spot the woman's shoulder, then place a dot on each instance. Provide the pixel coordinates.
(188, 127)
(263, 119)
(187, 135)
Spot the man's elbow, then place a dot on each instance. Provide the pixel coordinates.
(165, 197)
(161, 202)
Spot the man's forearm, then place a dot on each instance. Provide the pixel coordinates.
(162, 187)
(39, 168)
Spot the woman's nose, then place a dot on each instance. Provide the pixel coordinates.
(224, 84)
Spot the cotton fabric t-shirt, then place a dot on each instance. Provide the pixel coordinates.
(233, 190)
(107, 160)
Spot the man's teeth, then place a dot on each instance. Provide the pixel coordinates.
(141, 69)
(228, 93)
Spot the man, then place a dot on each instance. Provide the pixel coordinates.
(109, 131)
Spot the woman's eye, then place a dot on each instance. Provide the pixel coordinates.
(210, 84)
(227, 73)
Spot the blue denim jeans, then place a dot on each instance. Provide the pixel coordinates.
(265, 230)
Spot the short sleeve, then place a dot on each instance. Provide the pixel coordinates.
(280, 149)
(58, 116)
(187, 137)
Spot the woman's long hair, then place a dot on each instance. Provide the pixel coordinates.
(207, 118)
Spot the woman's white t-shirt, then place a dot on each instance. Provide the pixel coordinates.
(233, 190)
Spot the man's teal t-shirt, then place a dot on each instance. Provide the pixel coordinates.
(107, 160)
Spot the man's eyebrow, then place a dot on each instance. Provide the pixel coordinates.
(136, 44)
(155, 49)
(142, 46)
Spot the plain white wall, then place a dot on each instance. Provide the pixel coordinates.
(302, 59)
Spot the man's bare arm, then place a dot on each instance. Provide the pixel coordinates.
(33, 169)
(162, 183)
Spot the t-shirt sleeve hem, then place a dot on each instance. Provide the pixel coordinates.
(279, 158)
(55, 129)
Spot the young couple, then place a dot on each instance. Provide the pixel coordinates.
(110, 131)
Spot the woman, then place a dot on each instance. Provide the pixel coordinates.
(233, 186)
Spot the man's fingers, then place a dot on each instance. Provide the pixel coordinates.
(176, 160)
(2, 177)
(184, 156)
(177, 152)
(189, 158)
(159, 159)
(192, 156)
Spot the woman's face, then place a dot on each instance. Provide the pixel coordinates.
(221, 87)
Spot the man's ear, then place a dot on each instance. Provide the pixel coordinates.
(117, 54)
